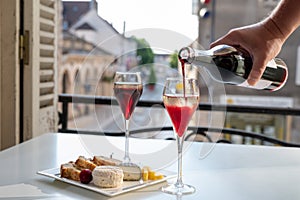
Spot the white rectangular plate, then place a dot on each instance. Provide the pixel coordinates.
(126, 187)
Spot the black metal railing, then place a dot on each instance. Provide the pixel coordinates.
(67, 99)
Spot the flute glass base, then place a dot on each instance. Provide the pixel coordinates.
(178, 190)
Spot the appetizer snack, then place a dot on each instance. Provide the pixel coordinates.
(108, 176)
(106, 172)
(145, 173)
(69, 170)
(85, 163)
(102, 160)
(86, 176)
(149, 174)
(132, 172)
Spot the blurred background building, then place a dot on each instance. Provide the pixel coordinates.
(216, 18)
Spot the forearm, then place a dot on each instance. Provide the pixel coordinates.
(285, 18)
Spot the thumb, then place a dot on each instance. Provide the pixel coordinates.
(258, 68)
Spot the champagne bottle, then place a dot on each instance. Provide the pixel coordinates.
(229, 65)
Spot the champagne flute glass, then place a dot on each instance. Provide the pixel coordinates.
(128, 89)
(181, 98)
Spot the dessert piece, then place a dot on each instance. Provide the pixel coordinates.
(69, 170)
(102, 160)
(108, 176)
(85, 163)
(132, 172)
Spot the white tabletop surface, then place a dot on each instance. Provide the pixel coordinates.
(218, 171)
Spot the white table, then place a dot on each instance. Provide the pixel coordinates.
(218, 171)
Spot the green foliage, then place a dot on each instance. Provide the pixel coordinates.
(146, 58)
(174, 60)
(144, 51)
(152, 76)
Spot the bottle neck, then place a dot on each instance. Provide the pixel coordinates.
(223, 62)
(190, 55)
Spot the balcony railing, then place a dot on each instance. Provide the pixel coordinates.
(67, 99)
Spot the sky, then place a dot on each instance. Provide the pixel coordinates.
(170, 20)
(167, 25)
(167, 14)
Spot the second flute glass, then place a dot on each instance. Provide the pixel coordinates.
(181, 99)
(128, 89)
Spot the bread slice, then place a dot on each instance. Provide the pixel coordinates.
(102, 160)
(85, 163)
(69, 170)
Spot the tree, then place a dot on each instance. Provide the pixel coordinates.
(146, 59)
(174, 60)
(144, 51)
(152, 77)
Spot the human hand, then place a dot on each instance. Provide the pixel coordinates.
(263, 41)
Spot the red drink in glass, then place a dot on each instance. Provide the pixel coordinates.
(128, 88)
(181, 110)
(127, 95)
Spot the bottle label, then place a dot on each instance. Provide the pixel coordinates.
(261, 84)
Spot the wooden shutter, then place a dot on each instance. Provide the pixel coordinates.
(9, 73)
(41, 22)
